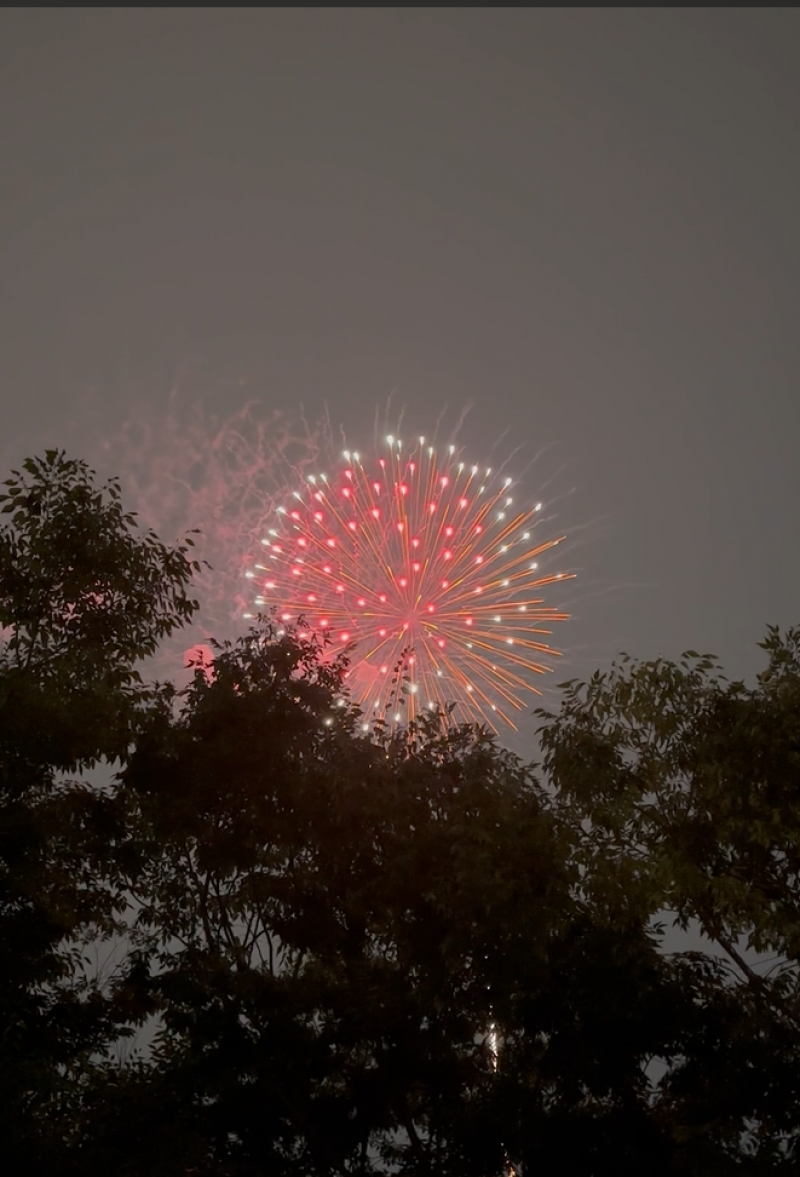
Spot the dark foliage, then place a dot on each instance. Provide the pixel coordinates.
(351, 951)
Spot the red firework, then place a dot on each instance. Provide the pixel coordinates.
(421, 562)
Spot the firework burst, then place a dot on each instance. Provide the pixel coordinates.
(425, 567)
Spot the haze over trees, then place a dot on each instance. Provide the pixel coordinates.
(269, 943)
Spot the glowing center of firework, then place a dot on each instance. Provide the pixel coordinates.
(425, 567)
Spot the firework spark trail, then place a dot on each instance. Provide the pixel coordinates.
(418, 559)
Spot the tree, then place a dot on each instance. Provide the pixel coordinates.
(686, 791)
(364, 951)
(360, 950)
(84, 597)
(379, 953)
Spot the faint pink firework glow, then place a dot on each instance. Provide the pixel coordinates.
(200, 657)
(182, 467)
(189, 469)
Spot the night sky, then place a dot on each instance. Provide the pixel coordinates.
(584, 222)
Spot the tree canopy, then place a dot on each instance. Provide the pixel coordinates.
(84, 597)
(396, 950)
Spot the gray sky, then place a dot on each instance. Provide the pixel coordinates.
(583, 221)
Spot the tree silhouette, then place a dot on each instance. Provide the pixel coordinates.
(374, 952)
